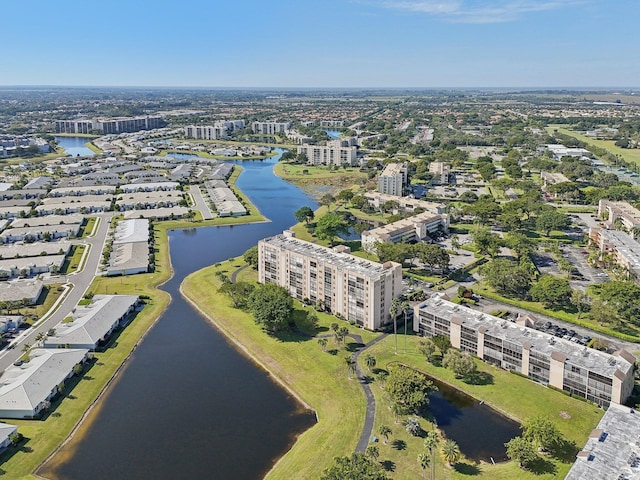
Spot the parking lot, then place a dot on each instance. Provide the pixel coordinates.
(587, 274)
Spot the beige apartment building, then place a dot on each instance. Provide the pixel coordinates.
(269, 128)
(619, 211)
(329, 155)
(393, 179)
(405, 204)
(412, 229)
(440, 172)
(357, 289)
(624, 249)
(597, 376)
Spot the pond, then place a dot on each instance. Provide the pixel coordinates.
(479, 430)
(75, 146)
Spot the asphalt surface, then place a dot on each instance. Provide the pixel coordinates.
(79, 282)
(201, 204)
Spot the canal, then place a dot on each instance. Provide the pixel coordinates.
(187, 404)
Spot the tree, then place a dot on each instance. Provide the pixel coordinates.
(486, 243)
(522, 451)
(554, 292)
(431, 441)
(460, 363)
(413, 426)
(507, 277)
(552, 220)
(304, 214)
(238, 292)
(427, 348)
(393, 311)
(351, 365)
(356, 467)
(385, 431)
(15, 438)
(323, 343)
(326, 199)
(251, 257)
(372, 453)
(442, 342)
(541, 432)
(455, 243)
(370, 361)
(450, 452)
(345, 195)
(271, 306)
(423, 461)
(405, 308)
(329, 226)
(580, 300)
(408, 389)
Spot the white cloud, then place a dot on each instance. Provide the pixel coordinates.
(478, 11)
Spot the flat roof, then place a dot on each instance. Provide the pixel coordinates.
(541, 342)
(131, 230)
(624, 244)
(340, 260)
(613, 448)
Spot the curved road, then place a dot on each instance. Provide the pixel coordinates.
(80, 282)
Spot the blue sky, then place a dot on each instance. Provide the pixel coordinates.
(321, 43)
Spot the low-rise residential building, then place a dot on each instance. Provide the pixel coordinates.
(21, 290)
(145, 200)
(38, 233)
(27, 267)
(76, 191)
(130, 254)
(47, 221)
(440, 173)
(612, 450)
(89, 326)
(27, 389)
(558, 151)
(597, 376)
(357, 289)
(619, 213)
(413, 229)
(393, 179)
(224, 199)
(405, 204)
(36, 249)
(6, 431)
(329, 155)
(621, 246)
(551, 178)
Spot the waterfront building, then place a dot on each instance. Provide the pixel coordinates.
(393, 179)
(405, 204)
(130, 254)
(600, 377)
(621, 246)
(90, 325)
(270, 128)
(26, 389)
(359, 290)
(413, 229)
(107, 126)
(613, 448)
(329, 155)
(218, 131)
(619, 213)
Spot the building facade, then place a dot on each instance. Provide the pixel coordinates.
(619, 213)
(597, 376)
(329, 155)
(440, 173)
(269, 128)
(357, 289)
(412, 229)
(218, 131)
(110, 125)
(621, 246)
(393, 179)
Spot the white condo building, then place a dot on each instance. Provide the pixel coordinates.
(393, 179)
(357, 289)
(270, 128)
(329, 155)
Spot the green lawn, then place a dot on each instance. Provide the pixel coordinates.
(518, 397)
(72, 262)
(318, 378)
(87, 228)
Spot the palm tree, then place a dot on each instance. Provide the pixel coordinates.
(323, 343)
(370, 361)
(25, 348)
(351, 365)
(455, 243)
(404, 307)
(431, 443)
(450, 452)
(393, 311)
(41, 337)
(423, 461)
(372, 452)
(384, 431)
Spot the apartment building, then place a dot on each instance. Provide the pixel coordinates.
(405, 204)
(110, 125)
(357, 289)
(621, 212)
(412, 229)
(551, 178)
(218, 131)
(393, 179)
(624, 249)
(440, 173)
(597, 376)
(270, 128)
(329, 155)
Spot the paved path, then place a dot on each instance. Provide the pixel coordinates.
(370, 414)
(80, 282)
(236, 272)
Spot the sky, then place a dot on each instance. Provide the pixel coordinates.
(321, 43)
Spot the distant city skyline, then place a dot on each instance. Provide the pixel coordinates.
(333, 43)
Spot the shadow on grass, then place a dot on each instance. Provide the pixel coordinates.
(333, 351)
(11, 450)
(353, 346)
(542, 466)
(399, 444)
(366, 379)
(479, 378)
(388, 465)
(467, 469)
(565, 451)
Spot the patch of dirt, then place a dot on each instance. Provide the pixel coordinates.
(565, 415)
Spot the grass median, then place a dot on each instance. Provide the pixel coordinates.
(319, 379)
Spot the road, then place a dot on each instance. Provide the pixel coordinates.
(200, 203)
(80, 281)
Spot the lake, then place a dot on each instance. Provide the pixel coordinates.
(75, 146)
(188, 404)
